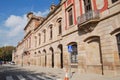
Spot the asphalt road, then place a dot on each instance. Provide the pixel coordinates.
(11, 72)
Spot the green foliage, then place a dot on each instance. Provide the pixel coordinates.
(6, 53)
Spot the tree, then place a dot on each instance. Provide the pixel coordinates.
(6, 53)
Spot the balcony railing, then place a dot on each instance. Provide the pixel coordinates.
(89, 16)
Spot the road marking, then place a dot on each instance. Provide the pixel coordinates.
(53, 78)
(41, 77)
(20, 77)
(31, 77)
(9, 78)
(58, 79)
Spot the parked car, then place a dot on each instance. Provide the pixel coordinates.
(0, 62)
(12, 63)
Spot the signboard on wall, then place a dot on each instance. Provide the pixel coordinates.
(70, 48)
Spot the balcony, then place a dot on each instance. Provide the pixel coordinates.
(87, 20)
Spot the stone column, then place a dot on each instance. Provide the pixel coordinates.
(39, 60)
(42, 60)
(82, 67)
(65, 59)
(29, 63)
(49, 60)
(21, 59)
(57, 60)
(35, 60)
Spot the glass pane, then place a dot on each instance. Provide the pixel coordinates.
(114, 1)
(70, 17)
(74, 54)
(118, 43)
(87, 4)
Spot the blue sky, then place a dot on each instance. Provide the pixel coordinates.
(13, 17)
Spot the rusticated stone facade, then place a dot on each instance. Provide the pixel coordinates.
(89, 28)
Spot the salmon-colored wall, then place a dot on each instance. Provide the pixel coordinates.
(68, 2)
(104, 7)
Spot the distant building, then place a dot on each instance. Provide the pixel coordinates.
(91, 29)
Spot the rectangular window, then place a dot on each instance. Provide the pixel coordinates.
(30, 42)
(39, 38)
(87, 4)
(73, 53)
(27, 43)
(44, 35)
(74, 58)
(113, 1)
(51, 32)
(70, 16)
(60, 28)
(35, 41)
(118, 43)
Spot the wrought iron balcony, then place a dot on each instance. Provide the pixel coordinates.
(91, 17)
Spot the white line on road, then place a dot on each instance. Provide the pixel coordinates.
(53, 78)
(31, 77)
(58, 79)
(20, 77)
(9, 78)
(41, 77)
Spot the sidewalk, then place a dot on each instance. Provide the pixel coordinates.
(59, 74)
(79, 76)
(54, 73)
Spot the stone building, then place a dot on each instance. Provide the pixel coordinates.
(81, 34)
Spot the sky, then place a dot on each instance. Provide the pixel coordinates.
(13, 18)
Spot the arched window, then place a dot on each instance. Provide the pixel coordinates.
(44, 33)
(29, 42)
(45, 58)
(60, 49)
(74, 52)
(39, 52)
(118, 43)
(52, 52)
(60, 27)
(116, 33)
(35, 54)
(39, 38)
(51, 35)
(35, 41)
(59, 24)
(93, 50)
